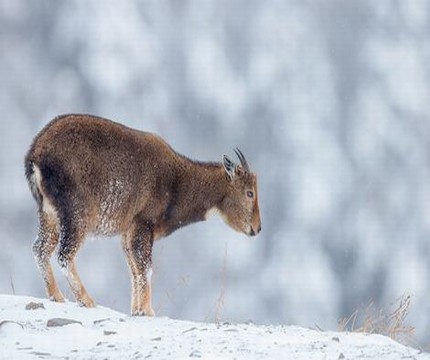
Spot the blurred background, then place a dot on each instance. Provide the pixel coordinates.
(329, 101)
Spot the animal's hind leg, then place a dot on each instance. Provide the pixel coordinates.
(43, 247)
(71, 239)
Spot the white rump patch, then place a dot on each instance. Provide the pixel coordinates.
(47, 206)
(35, 179)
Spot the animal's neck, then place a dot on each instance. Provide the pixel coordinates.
(201, 187)
(207, 187)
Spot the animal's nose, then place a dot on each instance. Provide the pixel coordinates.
(252, 232)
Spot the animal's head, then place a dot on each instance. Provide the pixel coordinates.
(240, 206)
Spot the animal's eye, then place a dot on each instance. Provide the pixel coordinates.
(250, 194)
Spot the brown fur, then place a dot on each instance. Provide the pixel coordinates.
(92, 175)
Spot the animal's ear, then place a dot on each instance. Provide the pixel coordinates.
(229, 166)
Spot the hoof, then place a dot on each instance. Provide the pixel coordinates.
(87, 302)
(57, 298)
(148, 312)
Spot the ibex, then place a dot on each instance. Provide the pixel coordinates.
(91, 175)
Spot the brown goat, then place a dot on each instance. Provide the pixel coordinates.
(93, 176)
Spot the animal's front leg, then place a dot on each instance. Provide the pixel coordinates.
(144, 293)
(126, 246)
(141, 265)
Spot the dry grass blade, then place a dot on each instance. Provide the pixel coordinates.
(218, 307)
(396, 320)
(391, 324)
(12, 285)
(348, 324)
(170, 295)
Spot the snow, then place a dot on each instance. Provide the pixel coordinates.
(102, 333)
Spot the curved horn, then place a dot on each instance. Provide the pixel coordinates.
(242, 159)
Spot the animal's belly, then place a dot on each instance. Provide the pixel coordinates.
(106, 227)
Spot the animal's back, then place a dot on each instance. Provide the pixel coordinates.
(88, 138)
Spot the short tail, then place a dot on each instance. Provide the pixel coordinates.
(32, 173)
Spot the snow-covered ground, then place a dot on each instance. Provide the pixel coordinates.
(37, 328)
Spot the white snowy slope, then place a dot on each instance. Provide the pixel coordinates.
(32, 328)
